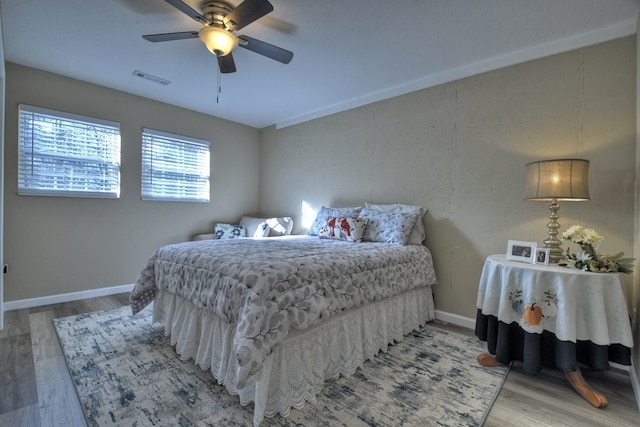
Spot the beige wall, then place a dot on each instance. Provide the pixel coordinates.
(460, 150)
(55, 245)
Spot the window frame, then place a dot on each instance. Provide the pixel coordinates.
(196, 187)
(66, 161)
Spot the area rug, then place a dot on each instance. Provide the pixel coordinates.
(126, 373)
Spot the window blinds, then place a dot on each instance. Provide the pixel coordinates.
(174, 167)
(62, 154)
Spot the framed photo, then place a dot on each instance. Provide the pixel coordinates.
(542, 256)
(518, 250)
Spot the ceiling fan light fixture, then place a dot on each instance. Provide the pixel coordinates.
(219, 41)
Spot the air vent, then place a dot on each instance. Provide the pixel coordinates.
(151, 78)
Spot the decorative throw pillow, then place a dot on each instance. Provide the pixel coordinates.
(343, 228)
(388, 227)
(229, 231)
(418, 234)
(279, 226)
(326, 212)
(255, 227)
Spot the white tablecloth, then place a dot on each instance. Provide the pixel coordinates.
(573, 304)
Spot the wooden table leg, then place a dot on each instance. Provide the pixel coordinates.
(488, 360)
(592, 396)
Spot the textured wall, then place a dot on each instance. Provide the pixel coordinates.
(460, 150)
(55, 245)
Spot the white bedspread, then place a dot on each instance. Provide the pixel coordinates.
(271, 287)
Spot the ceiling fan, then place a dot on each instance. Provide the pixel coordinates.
(220, 20)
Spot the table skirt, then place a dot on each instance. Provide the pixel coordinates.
(510, 342)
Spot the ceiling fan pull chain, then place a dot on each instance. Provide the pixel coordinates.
(219, 89)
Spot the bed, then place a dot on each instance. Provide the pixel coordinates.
(275, 318)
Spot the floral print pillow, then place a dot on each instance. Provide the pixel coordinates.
(343, 228)
(388, 227)
(229, 231)
(326, 212)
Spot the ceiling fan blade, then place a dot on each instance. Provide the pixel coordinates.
(186, 9)
(246, 12)
(270, 51)
(171, 36)
(226, 64)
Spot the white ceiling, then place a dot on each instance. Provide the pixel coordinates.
(346, 52)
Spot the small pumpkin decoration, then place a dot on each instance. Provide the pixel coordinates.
(518, 306)
(533, 314)
(549, 308)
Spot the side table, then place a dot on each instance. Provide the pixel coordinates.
(556, 315)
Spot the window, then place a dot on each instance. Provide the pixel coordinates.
(63, 154)
(174, 167)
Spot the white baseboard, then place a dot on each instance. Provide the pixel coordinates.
(71, 296)
(456, 319)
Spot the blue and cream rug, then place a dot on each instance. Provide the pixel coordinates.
(126, 373)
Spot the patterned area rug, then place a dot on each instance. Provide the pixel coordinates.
(127, 373)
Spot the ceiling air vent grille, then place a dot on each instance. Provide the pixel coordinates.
(151, 78)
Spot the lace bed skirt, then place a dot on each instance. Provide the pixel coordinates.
(297, 369)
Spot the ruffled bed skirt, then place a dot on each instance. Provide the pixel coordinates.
(297, 369)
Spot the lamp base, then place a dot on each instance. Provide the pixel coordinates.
(552, 242)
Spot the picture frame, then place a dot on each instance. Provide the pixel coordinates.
(518, 250)
(542, 256)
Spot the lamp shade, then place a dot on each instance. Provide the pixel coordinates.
(218, 40)
(558, 180)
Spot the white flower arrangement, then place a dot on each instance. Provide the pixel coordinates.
(588, 259)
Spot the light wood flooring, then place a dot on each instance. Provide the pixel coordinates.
(36, 390)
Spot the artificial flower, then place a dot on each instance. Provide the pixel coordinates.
(588, 259)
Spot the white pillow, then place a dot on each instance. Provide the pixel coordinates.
(343, 228)
(256, 227)
(280, 226)
(388, 227)
(230, 231)
(418, 234)
(326, 212)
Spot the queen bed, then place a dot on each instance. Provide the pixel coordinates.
(275, 318)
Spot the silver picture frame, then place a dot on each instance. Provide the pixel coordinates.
(542, 256)
(519, 250)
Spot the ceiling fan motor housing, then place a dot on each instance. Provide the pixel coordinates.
(215, 11)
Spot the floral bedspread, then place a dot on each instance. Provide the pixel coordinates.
(269, 287)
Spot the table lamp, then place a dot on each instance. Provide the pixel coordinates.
(554, 181)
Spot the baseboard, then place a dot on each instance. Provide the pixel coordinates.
(71, 296)
(456, 319)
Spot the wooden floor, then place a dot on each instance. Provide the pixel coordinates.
(35, 388)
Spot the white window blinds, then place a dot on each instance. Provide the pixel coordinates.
(62, 154)
(174, 167)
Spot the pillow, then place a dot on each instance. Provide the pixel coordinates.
(343, 228)
(256, 227)
(280, 226)
(267, 227)
(229, 231)
(388, 227)
(418, 234)
(326, 212)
